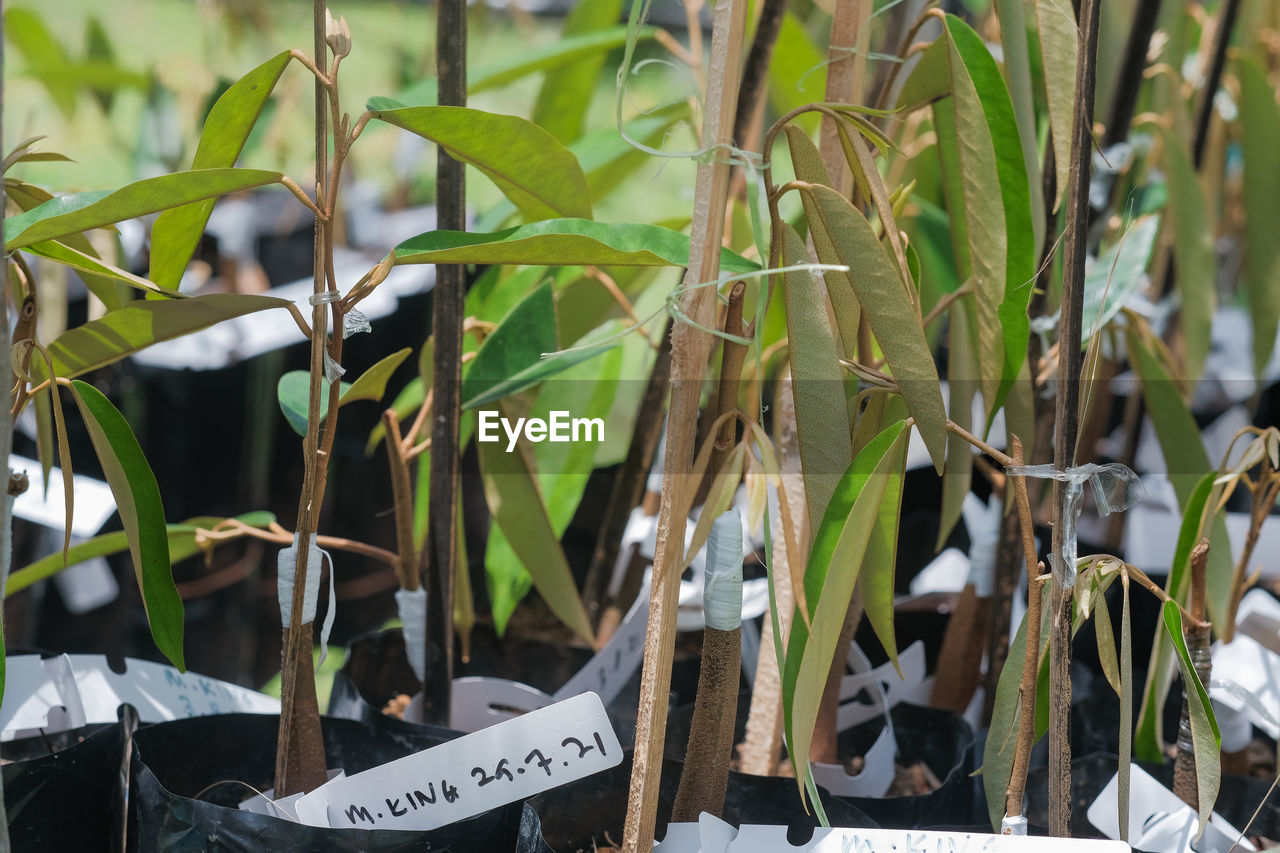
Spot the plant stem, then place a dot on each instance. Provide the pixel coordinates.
(628, 486)
(755, 75)
(1130, 80)
(300, 762)
(447, 311)
(730, 376)
(402, 492)
(1264, 498)
(706, 766)
(1008, 559)
(1226, 23)
(1031, 660)
(690, 347)
(1067, 411)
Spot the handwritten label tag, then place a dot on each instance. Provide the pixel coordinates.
(40, 696)
(502, 764)
(160, 692)
(712, 835)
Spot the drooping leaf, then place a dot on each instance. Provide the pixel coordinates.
(86, 263)
(1117, 274)
(817, 382)
(1206, 740)
(557, 242)
(1195, 263)
(1259, 130)
(962, 385)
(807, 163)
(177, 231)
(528, 164)
(516, 505)
(181, 537)
(1149, 742)
(142, 513)
(1186, 460)
(1126, 712)
(587, 391)
(1056, 28)
(895, 322)
(566, 91)
(837, 555)
(876, 580)
(140, 324)
(1106, 642)
(26, 30)
(71, 214)
(1017, 66)
(372, 384)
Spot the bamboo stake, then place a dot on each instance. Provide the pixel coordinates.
(690, 348)
(441, 553)
(1067, 412)
(6, 441)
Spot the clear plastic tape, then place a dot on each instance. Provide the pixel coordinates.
(354, 323)
(332, 370)
(1115, 488)
(412, 605)
(722, 592)
(1016, 825)
(286, 569)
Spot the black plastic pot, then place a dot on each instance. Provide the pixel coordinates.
(71, 798)
(591, 811)
(943, 741)
(177, 761)
(1238, 796)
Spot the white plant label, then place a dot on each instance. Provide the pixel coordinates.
(711, 835)
(160, 692)
(502, 764)
(610, 670)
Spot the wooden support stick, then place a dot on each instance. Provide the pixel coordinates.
(690, 347)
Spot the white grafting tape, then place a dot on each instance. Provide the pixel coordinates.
(412, 605)
(722, 592)
(286, 568)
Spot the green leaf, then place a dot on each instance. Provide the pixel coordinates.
(87, 263)
(1126, 713)
(557, 242)
(293, 392)
(177, 231)
(565, 51)
(962, 385)
(1187, 462)
(182, 544)
(1011, 292)
(528, 164)
(372, 384)
(817, 382)
(1106, 641)
(1150, 733)
(588, 391)
(1056, 28)
(26, 30)
(1259, 130)
(142, 513)
(894, 321)
(565, 95)
(1117, 274)
(798, 72)
(517, 507)
(876, 580)
(835, 559)
(1206, 740)
(140, 324)
(1195, 262)
(1017, 65)
(71, 214)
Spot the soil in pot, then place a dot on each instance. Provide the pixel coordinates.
(190, 775)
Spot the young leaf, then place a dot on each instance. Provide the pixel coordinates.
(1259, 130)
(182, 544)
(528, 164)
(71, 214)
(518, 509)
(141, 512)
(558, 242)
(895, 323)
(293, 393)
(141, 323)
(1206, 740)
(372, 384)
(1117, 274)
(837, 555)
(822, 417)
(177, 231)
